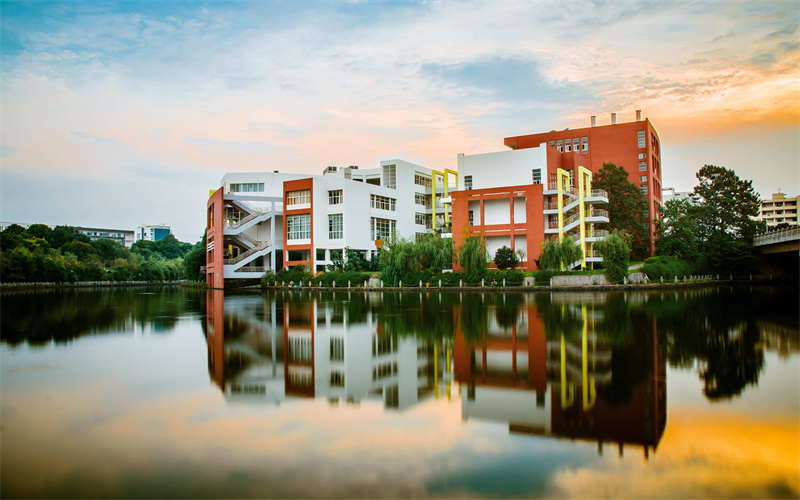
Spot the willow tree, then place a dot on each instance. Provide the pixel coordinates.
(559, 255)
(472, 254)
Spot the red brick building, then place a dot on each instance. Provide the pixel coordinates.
(633, 145)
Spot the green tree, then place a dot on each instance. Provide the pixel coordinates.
(433, 252)
(505, 258)
(194, 260)
(110, 250)
(396, 259)
(39, 231)
(472, 254)
(11, 237)
(61, 235)
(559, 255)
(170, 247)
(677, 231)
(616, 254)
(354, 261)
(725, 217)
(626, 206)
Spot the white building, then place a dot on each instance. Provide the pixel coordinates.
(274, 220)
(152, 233)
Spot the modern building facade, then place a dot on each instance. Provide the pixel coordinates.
(521, 198)
(633, 145)
(779, 210)
(152, 233)
(668, 194)
(266, 221)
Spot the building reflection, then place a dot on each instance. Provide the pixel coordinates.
(561, 366)
(301, 345)
(560, 373)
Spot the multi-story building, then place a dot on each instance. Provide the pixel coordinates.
(779, 210)
(260, 221)
(671, 194)
(524, 197)
(152, 233)
(634, 146)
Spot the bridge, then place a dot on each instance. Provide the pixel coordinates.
(785, 240)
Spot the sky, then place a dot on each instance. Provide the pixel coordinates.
(117, 114)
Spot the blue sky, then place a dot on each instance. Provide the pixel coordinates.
(122, 113)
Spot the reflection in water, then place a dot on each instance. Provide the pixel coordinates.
(320, 346)
(580, 367)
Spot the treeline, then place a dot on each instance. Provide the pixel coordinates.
(63, 254)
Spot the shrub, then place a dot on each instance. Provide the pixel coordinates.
(667, 267)
(505, 258)
(616, 254)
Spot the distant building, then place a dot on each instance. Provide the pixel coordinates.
(152, 233)
(670, 194)
(122, 236)
(779, 210)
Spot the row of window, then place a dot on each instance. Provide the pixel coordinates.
(247, 187)
(382, 202)
(421, 199)
(298, 227)
(569, 145)
(299, 197)
(422, 180)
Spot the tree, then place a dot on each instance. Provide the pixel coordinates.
(616, 254)
(434, 252)
(725, 217)
(505, 258)
(559, 255)
(354, 261)
(194, 259)
(677, 231)
(626, 206)
(472, 254)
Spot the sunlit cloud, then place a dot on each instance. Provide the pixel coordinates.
(272, 86)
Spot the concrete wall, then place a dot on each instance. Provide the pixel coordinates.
(592, 279)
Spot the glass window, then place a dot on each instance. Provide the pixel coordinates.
(642, 142)
(335, 227)
(642, 178)
(421, 199)
(584, 144)
(537, 176)
(390, 176)
(560, 146)
(422, 220)
(382, 202)
(298, 227)
(472, 217)
(642, 166)
(467, 182)
(382, 229)
(422, 179)
(643, 188)
(300, 197)
(552, 144)
(335, 197)
(567, 145)
(642, 156)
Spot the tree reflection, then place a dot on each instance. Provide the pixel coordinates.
(41, 316)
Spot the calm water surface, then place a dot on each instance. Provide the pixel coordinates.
(182, 393)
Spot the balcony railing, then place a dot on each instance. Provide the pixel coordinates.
(597, 212)
(261, 246)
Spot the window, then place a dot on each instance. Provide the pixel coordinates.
(337, 349)
(584, 144)
(249, 187)
(382, 202)
(642, 156)
(335, 197)
(472, 217)
(552, 144)
(421, 199)
(646, 213)
(642, 142)
(642, 166)
(422, 220)
(301, 197)
(298, 227)
(537, 176)
(560, 146)
(335, 227)
(390, 176)
(337, 379)
(320, 254)
(467, 182)
(567, 145)
(642, 178)
(382, 229)
(643, 188)
(422, 179)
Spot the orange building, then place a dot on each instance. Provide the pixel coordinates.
(633, 145)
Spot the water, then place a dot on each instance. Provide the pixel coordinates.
(183, 393)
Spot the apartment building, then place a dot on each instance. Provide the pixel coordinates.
(155, 232)
(521, 198)
(260, 221)
(779, 210)
(633, 145)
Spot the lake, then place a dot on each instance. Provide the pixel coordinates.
(175, 392)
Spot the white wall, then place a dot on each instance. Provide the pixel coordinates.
(504, 168)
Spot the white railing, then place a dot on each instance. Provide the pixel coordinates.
(247, 219)
(601, 193)
(597, 212)
(781, 236)
(597, 233)
(261, 246)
